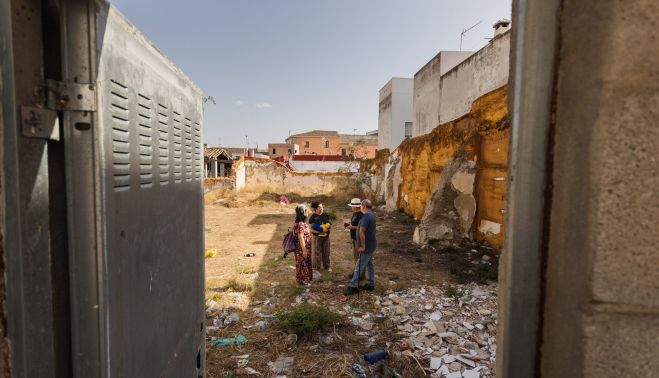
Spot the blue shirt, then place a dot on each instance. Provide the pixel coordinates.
(368, 224)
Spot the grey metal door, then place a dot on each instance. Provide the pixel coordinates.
(150, 159)
(101, 200)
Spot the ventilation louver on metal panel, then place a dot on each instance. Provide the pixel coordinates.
(188, 149)
(178, 147)
(197, 150)
(163, 144)
(120, 135)
(145, 146)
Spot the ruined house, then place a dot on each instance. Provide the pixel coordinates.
(217, 162)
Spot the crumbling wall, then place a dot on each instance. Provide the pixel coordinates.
(392, 183)
(412, 174)
(266, 174)
(451, 208)
(220, 183)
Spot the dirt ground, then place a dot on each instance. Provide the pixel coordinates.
(259, 286)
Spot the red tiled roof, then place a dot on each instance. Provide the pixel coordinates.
(316, 133)
(319, 158)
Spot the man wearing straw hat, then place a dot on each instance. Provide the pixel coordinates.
(353, 225)
(366, 247)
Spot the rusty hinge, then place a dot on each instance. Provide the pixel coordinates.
(39, 123)
(71, 96)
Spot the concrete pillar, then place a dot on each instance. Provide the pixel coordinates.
(213, 168)
(602, 272)
(581, 276)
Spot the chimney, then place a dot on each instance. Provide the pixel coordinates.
(501, 26)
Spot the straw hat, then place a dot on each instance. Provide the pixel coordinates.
(355, 202)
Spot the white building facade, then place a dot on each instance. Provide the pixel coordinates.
(427, 89)
(446, 87)
(395, 113)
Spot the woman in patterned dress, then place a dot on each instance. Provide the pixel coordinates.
(303, 269)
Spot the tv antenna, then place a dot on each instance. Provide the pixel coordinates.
(464, 32)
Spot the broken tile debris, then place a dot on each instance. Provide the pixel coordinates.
(455, 338)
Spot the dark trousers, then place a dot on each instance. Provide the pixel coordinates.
(320, 252)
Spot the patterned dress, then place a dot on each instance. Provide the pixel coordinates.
(303, 269)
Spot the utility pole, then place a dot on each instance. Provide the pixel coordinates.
(464, 32)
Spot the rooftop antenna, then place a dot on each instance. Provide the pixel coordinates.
(464, 32)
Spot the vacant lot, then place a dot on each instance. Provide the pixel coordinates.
(260, 286)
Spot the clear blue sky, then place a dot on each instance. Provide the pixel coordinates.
(275, 66)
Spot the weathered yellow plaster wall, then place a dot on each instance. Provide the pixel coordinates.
(483, 134)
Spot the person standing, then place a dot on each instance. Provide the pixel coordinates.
(353, 225)
(320, 228)
(366, 247)
(303, 269)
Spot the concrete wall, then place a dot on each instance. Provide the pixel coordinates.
(220, 183)
(395, 108)
(269, 175)
(426, 94)
(481, 73)
(324, 166)
(601, 311)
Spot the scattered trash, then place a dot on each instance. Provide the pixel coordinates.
(233, 318)
(282, 365)
(251, 371)
(283, 200)
(213, 306)
(359, 370)
(261, 325)
(376, 356)
(250, 254)
(228, 341)
(291, 339)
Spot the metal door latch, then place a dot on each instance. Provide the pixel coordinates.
(39, 123)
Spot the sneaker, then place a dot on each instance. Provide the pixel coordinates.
(351, 290)
(367, 287)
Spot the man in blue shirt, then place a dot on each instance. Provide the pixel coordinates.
(366, 247)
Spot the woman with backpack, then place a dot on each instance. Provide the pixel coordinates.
(303, 268)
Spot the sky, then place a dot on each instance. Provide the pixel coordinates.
(276, 67)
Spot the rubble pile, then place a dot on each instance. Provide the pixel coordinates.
(453, 335)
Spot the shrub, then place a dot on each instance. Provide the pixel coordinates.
(294, 290)
(234, 285)
(306, 319)
(331, 215)
(454, 292)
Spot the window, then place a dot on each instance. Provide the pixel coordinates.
(344, 152)
(408, 130)
(327, 144)
(289, 151)
(306, 144)
(274, 151)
